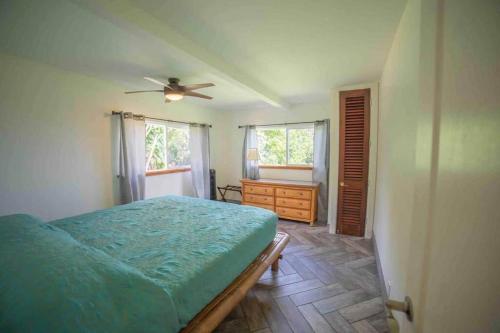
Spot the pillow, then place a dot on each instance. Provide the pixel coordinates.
(49, 282)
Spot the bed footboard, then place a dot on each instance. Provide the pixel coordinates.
(215, 312)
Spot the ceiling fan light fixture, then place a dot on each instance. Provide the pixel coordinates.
(173, 91)
(174, 96)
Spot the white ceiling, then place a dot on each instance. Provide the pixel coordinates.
(256, 51)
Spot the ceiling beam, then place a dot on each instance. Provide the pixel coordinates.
(125, 14)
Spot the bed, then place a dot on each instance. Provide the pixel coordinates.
(165, 264)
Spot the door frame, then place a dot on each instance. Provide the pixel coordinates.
(334, 155)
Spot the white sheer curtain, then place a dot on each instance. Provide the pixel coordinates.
(131, 163)
(199, 144)
(321, 165)
(250, 168)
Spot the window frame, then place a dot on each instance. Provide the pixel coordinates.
(167, 170)
(287, 151)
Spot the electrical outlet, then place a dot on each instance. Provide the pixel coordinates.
(388, 285)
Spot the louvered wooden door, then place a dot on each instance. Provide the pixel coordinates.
(353, 161)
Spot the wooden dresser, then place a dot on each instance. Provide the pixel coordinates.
(292, 200)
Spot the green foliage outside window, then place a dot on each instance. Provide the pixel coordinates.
(178, 153)
(275, 150)
(166, 147)
(155, 147)
(300, 145)
(272, 146)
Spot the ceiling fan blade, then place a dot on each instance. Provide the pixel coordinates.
(195, 94)
(142, 91)
(198, 86)
(155, 81)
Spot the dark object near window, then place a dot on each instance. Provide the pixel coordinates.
(213, 193)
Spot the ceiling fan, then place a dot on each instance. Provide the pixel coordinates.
(173, 91)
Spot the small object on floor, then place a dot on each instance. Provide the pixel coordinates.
(224, 189)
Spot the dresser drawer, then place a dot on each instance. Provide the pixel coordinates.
(293, 213)
(265, 190)
(293, 193)
(269, 207)
(293, 203)
(261, 199)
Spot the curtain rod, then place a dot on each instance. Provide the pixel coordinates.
(284, 124)
(168, 120)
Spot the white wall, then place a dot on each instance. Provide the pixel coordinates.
(438, 172)
(399, 101)
(461, 275)
(172, 183)
(229, 142)
(56, 139)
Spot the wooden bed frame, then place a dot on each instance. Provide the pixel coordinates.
(215, 312)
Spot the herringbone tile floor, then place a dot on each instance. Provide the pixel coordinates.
(326, 283)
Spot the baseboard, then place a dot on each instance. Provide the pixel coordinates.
(381, 278)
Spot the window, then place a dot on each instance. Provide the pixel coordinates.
(167, 146)
(286, 146)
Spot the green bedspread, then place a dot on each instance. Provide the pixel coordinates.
(191, 248)
(49, 282)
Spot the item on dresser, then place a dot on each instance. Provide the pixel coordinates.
(292, 200)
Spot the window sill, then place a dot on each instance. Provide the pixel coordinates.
(166, 171)
(287, 167)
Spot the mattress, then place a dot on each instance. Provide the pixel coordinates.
(191, 248)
